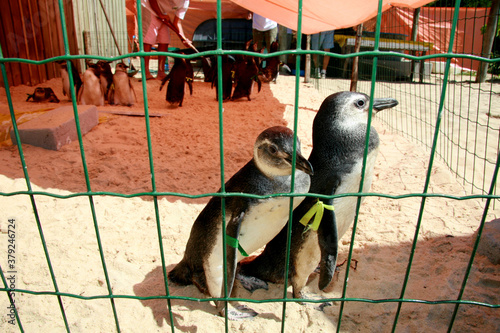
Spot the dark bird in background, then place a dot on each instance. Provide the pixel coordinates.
(273, 65)
(43, 95)
(180, 74)
(105, 77)
(227, 77)
(208, 69)
(245, 74)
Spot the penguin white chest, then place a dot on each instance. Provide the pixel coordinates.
(260, 224)
(345, 207)
(92, 93)
(65, 82)
(123, 94)
(264, 221)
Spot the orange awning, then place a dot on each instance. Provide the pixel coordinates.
(323, 15)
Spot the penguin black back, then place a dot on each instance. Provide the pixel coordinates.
(180, 74)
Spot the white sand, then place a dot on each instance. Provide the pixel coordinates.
(185, 145)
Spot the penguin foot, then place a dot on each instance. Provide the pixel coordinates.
(252, 283)
(322, 306)
(241, 312)
(317, 306)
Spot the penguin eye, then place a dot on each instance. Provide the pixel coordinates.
(360, 103)
(273, 149)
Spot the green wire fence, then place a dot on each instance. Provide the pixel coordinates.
(435, 133)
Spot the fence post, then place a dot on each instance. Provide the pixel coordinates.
(355, 61)
(307, 65)
(488, 37)
(87, 48)
(414, 34)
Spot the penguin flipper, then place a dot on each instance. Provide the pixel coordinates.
(328, 236)
(232, 230)
(328, 242)
(164, 80)
(190, 85)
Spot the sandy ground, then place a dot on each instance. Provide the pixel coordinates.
(186, 159)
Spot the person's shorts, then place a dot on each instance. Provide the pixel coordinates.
(322, 40)
(154, 30)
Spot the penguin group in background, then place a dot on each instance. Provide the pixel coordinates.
(65, 78)
(123, 92)
(245, 74)
(180, 74)
(250, 222)
(339, 134)
(91, 92)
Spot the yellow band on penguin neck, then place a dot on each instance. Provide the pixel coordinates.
(315, 211)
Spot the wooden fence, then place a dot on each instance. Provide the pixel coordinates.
(32, 29)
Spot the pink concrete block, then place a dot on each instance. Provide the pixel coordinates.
(54, 129)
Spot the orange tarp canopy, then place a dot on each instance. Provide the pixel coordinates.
(323, 15)
(435, 27)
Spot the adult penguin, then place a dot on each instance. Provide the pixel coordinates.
(250, 222)
(339, 135)
(180, 74)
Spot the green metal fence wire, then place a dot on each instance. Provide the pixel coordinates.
(488, 189)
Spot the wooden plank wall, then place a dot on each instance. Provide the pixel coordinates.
(32, 29)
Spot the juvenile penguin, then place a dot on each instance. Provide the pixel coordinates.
(339, 133)
(106, 78)
(208, 69)
(65, 78)
(180, 74)
(123, 92)
(250, 222)
(43, 95)
(91, 92)
(227, 69)
(273, 65)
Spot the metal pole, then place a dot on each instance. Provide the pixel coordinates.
(307, 67)
(414, 33)
(355, 61)
(489, 36)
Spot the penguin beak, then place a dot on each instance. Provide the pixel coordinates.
(380, 104)
(302, 164)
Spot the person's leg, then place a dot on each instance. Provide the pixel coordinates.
(315, 46)
(271, 36)
(258, 39)
(149, 26)
(327, 45)
(161, 61)
(326, 60)
(283, 41)
(163, 42)
(147, 48)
